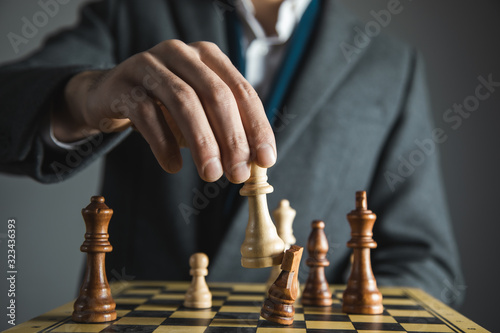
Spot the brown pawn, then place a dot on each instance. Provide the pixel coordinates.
(278, 307)
(317, 292)
(361, 295)
(95, 303)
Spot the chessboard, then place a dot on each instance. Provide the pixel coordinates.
(155, 306)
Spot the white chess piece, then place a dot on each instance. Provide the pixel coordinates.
(283, 219)
(198, 295)
(262, 246)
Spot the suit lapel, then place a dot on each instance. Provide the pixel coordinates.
(318, 77)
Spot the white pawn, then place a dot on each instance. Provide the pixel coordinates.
(198, 295)
(283, 219)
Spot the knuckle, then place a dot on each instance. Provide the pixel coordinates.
(206, 144)
(237, 145)
(173, 44)
(243, 91)
(163, 142)
(142, 58)
(182, 93)
(169, 47)
(260, 132)
(262, 129)
(204, 46)
(218, 94)
(143, 110)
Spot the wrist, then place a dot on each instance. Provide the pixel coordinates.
(69, 113)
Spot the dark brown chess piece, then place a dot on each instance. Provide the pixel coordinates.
(361, 295)
(278, 306)
(95, 303)
(317, 292)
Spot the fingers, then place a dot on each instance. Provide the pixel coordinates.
(150, 121)
(184, 111)
(257, 127)
(179, 137)
(212, 100)
(203, 102)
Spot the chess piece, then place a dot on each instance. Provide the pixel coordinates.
(283, 217)
(316, 291)
(95, 303)
(361, 295)
(198, 295)
(278, 307)
(262, 246)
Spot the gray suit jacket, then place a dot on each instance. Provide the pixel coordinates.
(344, 126)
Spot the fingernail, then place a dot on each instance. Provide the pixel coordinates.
(240, 172)
(266, 155)
(212, 169)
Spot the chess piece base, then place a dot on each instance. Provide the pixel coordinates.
(361, 302)
(93, 317)
(318, 301)
(277, 312)
(198, 305)
(317, 291)
(363, 309)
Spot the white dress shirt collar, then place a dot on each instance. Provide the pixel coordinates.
(264, 54)
(289, 14)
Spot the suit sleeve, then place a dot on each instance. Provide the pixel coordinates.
(30, 88)
(415, 239)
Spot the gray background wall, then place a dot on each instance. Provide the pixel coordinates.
(459, 41)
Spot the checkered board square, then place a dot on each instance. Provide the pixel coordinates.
(148, 306)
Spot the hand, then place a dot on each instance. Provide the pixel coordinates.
(175, 93)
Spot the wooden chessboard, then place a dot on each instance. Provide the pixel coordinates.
(152, 306)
